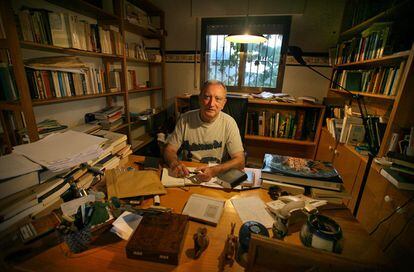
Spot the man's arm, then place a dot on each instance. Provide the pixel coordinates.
(236, 161)
(171, 158)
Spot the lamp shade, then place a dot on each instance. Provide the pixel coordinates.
(246, 38)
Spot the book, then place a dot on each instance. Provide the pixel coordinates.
(158, 238)
(231, 178)
(204, 209)
(401, 159)
(301, 171)
(400, 180)
(17, 184)
(330, 196)
(356, 134)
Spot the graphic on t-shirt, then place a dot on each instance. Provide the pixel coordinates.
(186, 146)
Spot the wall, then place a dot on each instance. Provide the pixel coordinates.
(315, 26)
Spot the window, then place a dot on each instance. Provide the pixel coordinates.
(245, 67)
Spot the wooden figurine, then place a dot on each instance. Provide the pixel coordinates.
(201, 241)
(229, 249)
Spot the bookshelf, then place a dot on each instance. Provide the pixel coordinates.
(23, 109)
(382, 67)
(257, 145)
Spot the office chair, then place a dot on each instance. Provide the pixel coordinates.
(236, 107)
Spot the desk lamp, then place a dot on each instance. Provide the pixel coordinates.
(367, 121)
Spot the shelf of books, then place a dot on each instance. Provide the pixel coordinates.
(374, 59)
(104, 60)
(141, 141)
(285, 127)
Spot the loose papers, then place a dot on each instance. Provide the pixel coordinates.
(63, 150)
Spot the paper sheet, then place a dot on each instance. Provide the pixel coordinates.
(253, 209)
(71, 207)
(125, 224)
(170, 181)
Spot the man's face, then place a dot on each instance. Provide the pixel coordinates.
(212, 101)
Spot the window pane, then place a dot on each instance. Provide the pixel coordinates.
(222, 60)
(262, 62)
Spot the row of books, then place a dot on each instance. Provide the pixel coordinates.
(383, 80)
(66, 30)
(63, 77)
(136, 50)
(372, 44)
(8, 90)
(298, 125)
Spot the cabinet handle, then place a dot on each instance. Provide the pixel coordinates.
(330, 148)
(336, 152)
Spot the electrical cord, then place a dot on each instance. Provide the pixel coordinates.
(389, 216)
(398, 235)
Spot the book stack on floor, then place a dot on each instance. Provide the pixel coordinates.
(302, 172)
(109, 117)
(401, 172)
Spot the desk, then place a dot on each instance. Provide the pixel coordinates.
(111, 255)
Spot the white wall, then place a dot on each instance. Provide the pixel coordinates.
(315, 26)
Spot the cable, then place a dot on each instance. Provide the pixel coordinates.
(396, 236)
(389, 216)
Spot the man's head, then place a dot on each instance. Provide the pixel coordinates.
(212, 99)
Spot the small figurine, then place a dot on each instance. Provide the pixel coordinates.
(201, 241)
(227, 257)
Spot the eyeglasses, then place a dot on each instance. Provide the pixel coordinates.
(275, 192)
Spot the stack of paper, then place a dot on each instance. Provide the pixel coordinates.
(62, 151)
(252, 209)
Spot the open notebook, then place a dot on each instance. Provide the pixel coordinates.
(170, 181)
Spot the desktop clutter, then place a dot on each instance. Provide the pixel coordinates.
(81, 189)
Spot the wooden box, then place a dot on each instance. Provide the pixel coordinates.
(158, 238)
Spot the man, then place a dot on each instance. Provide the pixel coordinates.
(206, 135)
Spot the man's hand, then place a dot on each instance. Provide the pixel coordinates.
(206, 173)
(178, 170)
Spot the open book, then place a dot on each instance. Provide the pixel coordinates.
(204, 209)
(170, 181)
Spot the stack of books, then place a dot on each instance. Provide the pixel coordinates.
(109, 117)
(48, 126)
(23, 191)
(299, 171)
(401, 172)
(115, 149)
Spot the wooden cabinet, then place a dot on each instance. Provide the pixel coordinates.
(326, 147)
(395, 235)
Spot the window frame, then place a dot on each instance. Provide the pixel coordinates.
(284, 21)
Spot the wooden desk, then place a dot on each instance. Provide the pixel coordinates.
(110, 254)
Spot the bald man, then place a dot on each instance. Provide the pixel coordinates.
(206, 135)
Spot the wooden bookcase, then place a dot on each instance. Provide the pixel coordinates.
(380, 198)
(395, 108)
(256, 146)
(23, 109)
